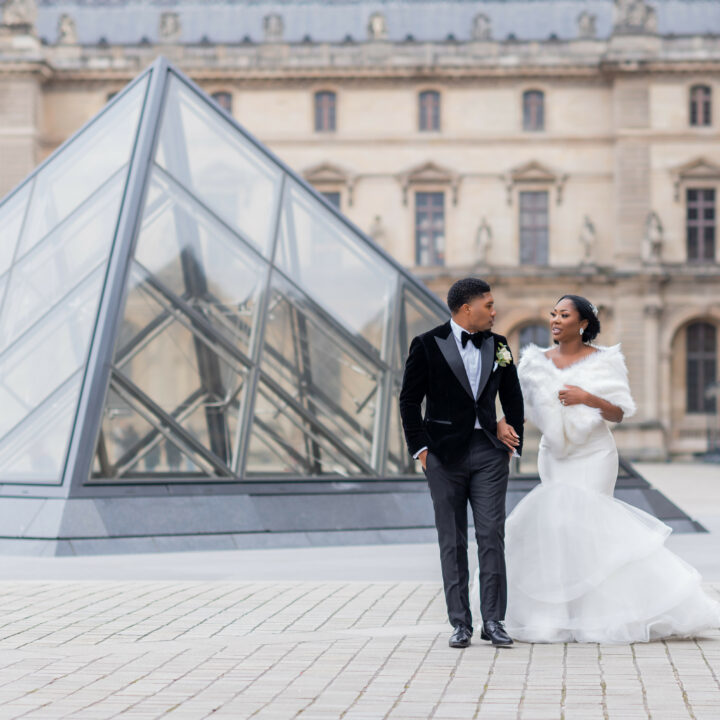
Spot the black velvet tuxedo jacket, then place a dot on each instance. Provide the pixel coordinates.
(434, 371)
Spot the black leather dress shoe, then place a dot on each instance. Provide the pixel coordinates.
(493, 630)
(460, 638)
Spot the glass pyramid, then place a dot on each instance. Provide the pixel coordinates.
(177, 305)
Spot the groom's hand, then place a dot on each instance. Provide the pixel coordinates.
(507, 436)
(423, 459)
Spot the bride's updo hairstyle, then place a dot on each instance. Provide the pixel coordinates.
(587, 311)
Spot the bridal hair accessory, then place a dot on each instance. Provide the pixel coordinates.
(503, 356)
(593, 308)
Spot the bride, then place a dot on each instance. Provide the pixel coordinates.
(583, 566)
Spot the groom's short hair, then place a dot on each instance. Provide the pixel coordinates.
(465, 291)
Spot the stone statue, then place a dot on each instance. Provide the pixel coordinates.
(19, 12)
(377, 231)
(483, 241)
(170, 27)
(586, 25)
(653, 240)
(482, 30)
(377, 27)
(635, 16)
(588, 238)
(67, 32)
(273, 27)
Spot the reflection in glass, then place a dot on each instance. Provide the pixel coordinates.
(202, 150)
(27, 378)
(34, 451)
(83, 166)
(335, 267)
(324, 393)
(200, 260)
(78, 247)
(12, 214)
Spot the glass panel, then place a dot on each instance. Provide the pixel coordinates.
(42, 360)
(130, 446)
(78, 247)
(12, 213)
(181, 369)
(399, 461)
(99, 152)
(35, 450)
(310, 367)
(416, 317)
(200, 261)
(206, 153)
(336, 268)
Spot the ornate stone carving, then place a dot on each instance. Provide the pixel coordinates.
(170, 28)
(482, 29)
(67, 32)
(377, 27)
(273, 27)
(698, 170)
(634, 16)
(429, 174)
(586, 25)
(483, 242)
(653, 239)
(588, 238)
(19, 12)
(535, 174)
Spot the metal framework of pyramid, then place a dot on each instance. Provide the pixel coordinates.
(178, 306)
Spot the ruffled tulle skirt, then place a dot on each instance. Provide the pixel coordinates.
(583, 566)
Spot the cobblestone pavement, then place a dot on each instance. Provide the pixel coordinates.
(282, 650)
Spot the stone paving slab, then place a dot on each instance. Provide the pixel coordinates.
(315, 651)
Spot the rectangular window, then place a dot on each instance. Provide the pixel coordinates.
(333, 198)
(700, 227)
(701, 367)
(325, 103)
(429, 228)
(534, 227)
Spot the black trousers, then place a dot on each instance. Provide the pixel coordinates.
(479, 477)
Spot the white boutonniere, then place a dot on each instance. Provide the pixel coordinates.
(503, 356)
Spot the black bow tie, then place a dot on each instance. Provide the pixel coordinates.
(475, 338)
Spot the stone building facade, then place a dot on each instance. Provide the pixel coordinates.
(547, 150)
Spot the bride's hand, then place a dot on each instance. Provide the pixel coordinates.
(506, 435)
(573, 395)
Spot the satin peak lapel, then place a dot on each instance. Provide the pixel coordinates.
(487, 355)
(448, 347)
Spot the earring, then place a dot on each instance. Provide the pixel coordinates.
(582, 330)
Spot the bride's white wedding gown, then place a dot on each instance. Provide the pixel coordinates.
(583, 566)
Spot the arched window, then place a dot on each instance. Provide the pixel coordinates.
(533, 110)
(700, 106)
(224, 100)
(429, 111)
(325, 105)
(701, 367)
(536, 334)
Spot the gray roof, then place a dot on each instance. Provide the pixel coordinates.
(230, 21)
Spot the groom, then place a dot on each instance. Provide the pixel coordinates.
(458, 369)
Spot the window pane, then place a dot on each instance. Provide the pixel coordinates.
(76, 248)
(88, 162)
(35, 450)
(209, 157)
(337, 269)
(198, 259)
(27, 379)
(429, 228)
(328, 388)
(536, 334)
(333, 198)
(533, 227)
